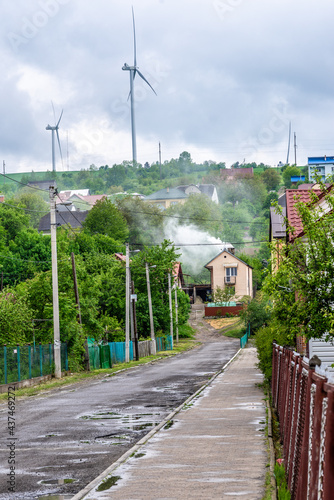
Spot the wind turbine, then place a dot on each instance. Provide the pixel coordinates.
(54, 129)
(133, 70)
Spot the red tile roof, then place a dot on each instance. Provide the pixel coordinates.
(293, 196)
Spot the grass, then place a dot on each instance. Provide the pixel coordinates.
(74, 378)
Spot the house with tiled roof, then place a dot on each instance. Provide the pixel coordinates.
(227, 270)
(280, 233)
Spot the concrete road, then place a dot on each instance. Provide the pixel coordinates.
(69, 436)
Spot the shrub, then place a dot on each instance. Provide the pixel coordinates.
(264, 338)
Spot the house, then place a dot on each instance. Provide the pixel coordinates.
(320, 166)
(85, 202)
(209, 190)
(167, 197)
(227, 270)
(230, 174)
(324, 350)
(64, 217)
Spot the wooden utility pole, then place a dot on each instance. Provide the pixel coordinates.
(55, 299)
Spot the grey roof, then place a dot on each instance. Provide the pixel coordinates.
(74, 219)
(226, 250)
(167, 194)
(207, 189)
(277, 223)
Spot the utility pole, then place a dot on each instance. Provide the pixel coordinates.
(170, 308)
(176, 317)
(4, 171)
(295, 146)
(127, 304)
(134, 320)
(160, 159)
(153, 345)
(55, 301)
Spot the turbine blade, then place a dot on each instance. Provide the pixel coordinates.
(148, 83)
(54, 114)
(61, 154)
(134, 40)
(61, 114)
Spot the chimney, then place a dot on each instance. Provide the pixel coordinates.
(168, 190)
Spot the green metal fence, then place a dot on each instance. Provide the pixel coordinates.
(244, 339)
(25, 362)
(104, 356)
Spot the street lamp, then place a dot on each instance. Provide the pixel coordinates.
(153, 345)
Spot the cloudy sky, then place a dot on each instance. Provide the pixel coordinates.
(229, 76)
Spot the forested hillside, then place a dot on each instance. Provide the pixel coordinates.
(190, 233)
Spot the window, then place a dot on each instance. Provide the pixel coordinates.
(230, 271)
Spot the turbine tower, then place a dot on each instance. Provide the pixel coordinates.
(54, 129)
(133, 70)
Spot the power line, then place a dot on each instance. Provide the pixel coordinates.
(22, 183)
(25, 209)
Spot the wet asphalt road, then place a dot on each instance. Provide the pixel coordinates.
(76, 432)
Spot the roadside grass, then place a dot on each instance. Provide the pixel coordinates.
(229, 327)
(184, 344)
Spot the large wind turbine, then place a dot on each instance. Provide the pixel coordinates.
(133, 70)
(54, 130)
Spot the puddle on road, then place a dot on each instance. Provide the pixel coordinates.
(58, 482)
(55, 497)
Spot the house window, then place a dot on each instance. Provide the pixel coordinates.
(230, 271)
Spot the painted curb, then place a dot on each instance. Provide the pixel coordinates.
(81, 494)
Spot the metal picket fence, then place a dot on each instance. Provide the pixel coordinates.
(29, 361)
(304, 401)
(105, 356)
(244, 338)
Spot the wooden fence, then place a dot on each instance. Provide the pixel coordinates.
(304, 401)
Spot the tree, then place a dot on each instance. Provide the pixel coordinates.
(145, 220)
(302, 289)
(105, 218)
(35, 205)
(271, 178)
(288, 173)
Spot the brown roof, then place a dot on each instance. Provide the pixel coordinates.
(293, 196)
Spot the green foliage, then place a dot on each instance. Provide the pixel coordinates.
(288, 173)
(34, 203)
(257, 312)
(186, 332)
(225, 294)
(145, 220)
(271, 178)
(15, 318)
(264, 338)
(302, 288)
(283, 492)
(105, 218)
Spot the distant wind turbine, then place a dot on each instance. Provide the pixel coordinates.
(54, 129)
(133, 70)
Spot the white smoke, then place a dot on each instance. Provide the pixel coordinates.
(197, 247)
